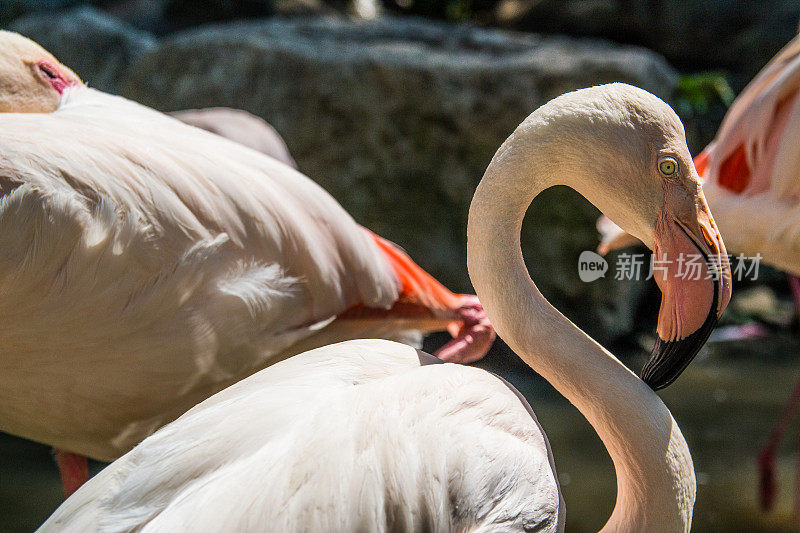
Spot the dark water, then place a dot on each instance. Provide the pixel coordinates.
(725, 404)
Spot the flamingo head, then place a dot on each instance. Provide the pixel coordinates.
(641, 175)
(31, 79)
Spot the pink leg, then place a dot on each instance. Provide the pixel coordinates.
(794, 283)
(766, 458)
(74, 470)
(473, 338)
(796, 509)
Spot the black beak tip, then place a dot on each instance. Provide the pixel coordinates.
(655, 385)
(669, 359)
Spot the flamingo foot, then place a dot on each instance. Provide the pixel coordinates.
(473, 335)
(74, 470)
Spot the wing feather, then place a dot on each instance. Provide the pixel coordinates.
(180, 258)
(349, 437)
(761, 126)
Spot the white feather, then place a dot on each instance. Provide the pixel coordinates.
(314, 444)
(138, 278)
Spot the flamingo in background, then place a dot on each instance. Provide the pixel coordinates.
(373, 435)
(751, 176)
(146, 264)
(239, 126)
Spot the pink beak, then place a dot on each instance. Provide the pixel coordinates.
(691, 267)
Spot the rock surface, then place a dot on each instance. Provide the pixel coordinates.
(98, 47)
(398, 120)
(712, 34)
(12, 9)
(162, 17)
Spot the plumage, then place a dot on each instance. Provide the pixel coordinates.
(147, 264)
(752, 168)
(371, 435)
(287, 447)
(190, 272)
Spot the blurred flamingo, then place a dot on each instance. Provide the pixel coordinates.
(146, 264)
(751, 177)
(239, 126)
(371, 435)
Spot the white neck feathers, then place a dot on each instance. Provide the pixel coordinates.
(655, 476)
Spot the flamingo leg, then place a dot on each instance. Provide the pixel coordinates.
(796, 509)
(74, 470)
(472, 337)
(766, 457)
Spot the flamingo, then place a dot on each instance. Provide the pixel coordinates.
(751, 176)
(373, 435)
(240, 126)
(146, 264)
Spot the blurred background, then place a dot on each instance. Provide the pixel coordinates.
(396, 107)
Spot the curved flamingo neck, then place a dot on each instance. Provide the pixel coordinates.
(655, 476)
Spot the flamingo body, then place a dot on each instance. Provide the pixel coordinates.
(326, 430)
(147, 264)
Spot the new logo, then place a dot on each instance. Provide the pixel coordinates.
(591, 266)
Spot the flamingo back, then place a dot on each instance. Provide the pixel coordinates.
(349, 437)
(194, 261)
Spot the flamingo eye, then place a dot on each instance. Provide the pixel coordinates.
(48, 71)
(51, 74)
(668, 166)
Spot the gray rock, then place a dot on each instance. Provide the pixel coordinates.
(162, 17)
(99, 48)
(146, 15)
(399, 118)
(712, 34)
(11, 9)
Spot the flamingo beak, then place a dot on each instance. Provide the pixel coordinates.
(691, 267)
